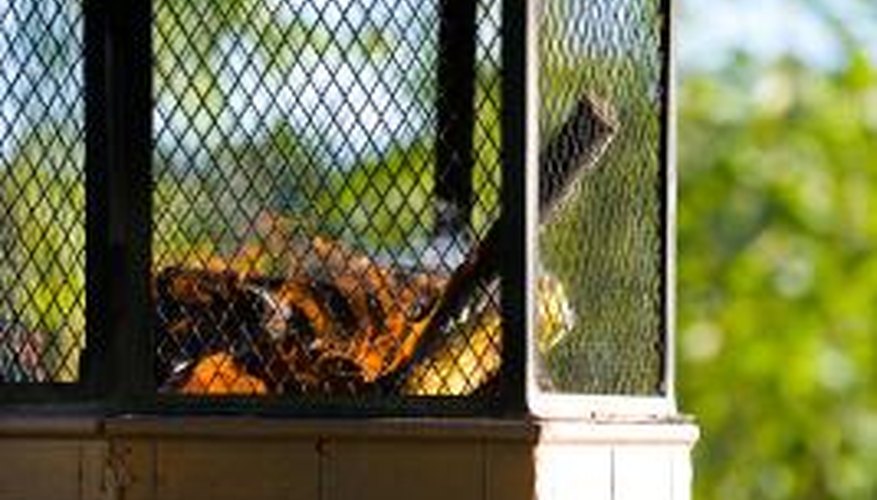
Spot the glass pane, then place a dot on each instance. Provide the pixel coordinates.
(42, 191)
(600, 287)
(296, 249)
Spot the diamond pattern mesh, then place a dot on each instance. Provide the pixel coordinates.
(300, 239)
(297, 241)
(42, 191)
(601, 250)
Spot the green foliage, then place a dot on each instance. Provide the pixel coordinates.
(379, 203)
(384, 202)
(604, 243)
(486, 174)
(42, 245)
(213, 209)
(188, 36)
(778, 279)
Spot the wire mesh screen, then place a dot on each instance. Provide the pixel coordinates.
(307, 239)
(601, 249)
(42, 191)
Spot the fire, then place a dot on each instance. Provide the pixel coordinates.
(333, 320)
(333, 308)
(219, 374)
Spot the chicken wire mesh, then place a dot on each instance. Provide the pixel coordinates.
(42, 192)
(602, 254)
(307, 239)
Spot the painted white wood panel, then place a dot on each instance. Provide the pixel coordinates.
(642, 472)
(573, 471)
(682, 473)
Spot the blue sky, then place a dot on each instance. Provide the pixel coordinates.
(708, 33)
(710, 30)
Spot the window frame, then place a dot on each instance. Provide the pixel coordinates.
(116, 373)
(613, 407)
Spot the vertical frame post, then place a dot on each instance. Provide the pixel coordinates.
(455, 115)
(667, 154)
(519, 195)
(94, 360)
(126, 90)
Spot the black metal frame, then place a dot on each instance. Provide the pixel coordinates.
(116, 374)
(513, 154)
(456, 116)
(664, 160)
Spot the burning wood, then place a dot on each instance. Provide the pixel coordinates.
(338, 322)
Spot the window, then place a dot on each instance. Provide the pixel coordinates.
(333, 206)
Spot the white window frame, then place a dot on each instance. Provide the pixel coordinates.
(615, 408)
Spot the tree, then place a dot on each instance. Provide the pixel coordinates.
(778, 278)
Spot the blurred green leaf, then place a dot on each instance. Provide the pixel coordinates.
(777, 281)
(42, 273)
